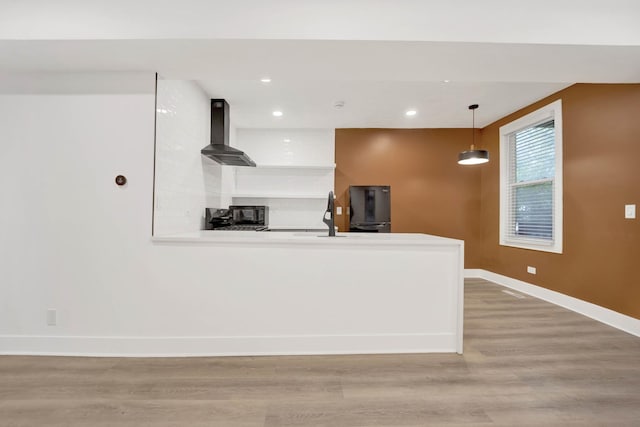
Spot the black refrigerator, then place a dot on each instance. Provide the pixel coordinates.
(370, 208)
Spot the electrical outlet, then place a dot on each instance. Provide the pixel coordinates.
(531, 270)
(630, 211)
(52, 317)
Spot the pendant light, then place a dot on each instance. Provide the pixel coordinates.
(473, 156)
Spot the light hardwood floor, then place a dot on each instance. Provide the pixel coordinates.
(526, 362)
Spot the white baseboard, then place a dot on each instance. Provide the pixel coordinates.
(226, 346)
(609, 317)
(294, 345)
(472, 272)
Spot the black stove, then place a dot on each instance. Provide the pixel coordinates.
(242, 228)
(237, 218)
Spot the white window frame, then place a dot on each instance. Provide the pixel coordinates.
(550, 111)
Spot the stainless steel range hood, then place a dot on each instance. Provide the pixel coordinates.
(219, 149)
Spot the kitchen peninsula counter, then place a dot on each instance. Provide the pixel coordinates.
(308, 238)
(307, 293)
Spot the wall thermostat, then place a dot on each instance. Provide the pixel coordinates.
(121, 180)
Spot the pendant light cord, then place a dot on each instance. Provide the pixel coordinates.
(473, 107)
(473, 129)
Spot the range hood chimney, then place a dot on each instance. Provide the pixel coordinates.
(219, 149)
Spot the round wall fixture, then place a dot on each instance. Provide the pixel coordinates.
(121, 180)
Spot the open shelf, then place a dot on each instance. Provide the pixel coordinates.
(278, 196)
(331, 166)
(284, 182)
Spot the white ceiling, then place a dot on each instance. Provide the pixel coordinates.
(379, 57)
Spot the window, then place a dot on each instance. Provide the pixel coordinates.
(531, 180)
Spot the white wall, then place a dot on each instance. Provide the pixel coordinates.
(71, 238)
(186, 182)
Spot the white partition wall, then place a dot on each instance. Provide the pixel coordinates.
(77, 245)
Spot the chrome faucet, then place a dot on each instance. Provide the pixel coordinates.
(330, 221)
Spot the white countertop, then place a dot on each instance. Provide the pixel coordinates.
(307, 238)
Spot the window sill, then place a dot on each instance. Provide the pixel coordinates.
(532, 246)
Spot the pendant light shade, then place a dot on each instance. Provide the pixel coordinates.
(473, 156)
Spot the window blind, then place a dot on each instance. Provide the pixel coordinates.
(531, 182)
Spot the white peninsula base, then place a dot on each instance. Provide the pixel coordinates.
(222, 293)
(300, 293)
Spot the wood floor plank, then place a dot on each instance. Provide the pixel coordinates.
(175, 413)
(526, 363)
(373, 412)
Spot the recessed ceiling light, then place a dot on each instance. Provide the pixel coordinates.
(277, 113)
(286, 140)
(411, 112)
(265, 80)
(446, 81)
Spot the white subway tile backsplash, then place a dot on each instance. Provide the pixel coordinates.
(185, 182)
(297, 147)
(296, 175)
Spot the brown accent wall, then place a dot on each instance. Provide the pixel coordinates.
(430, 192)
(601, 256)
